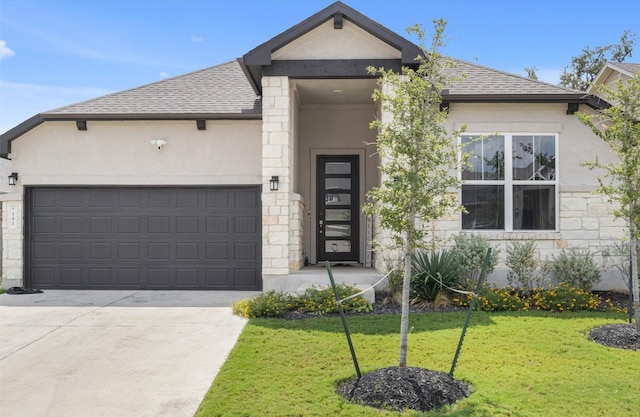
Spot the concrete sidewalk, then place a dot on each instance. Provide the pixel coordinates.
(113, 353)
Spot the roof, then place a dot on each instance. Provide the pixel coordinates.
(218, 92)
(260, 56)
(228, 91)
(630, 68)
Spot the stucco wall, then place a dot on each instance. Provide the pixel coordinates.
(320, 43)
(121, 153)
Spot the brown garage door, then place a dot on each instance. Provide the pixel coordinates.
(143, 238)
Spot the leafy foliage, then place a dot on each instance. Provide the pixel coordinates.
(618, 126)
(317, 300)
(522, 263)
(565, 298)
(471, 250)
(434, 272)
(419, 157)
(574, 267)
(586, 66)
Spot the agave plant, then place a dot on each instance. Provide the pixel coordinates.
(433, 274)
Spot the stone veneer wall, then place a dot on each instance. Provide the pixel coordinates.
(586, 221)
(296, 232)
(12, 241)
(276, 157)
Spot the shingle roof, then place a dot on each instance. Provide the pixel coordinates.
(632, 68)
(222, 89)
(482, 80)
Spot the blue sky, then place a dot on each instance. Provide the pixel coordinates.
(57, 52)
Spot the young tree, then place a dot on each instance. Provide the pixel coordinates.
(419, 159)
(586, 66)
(619, 127)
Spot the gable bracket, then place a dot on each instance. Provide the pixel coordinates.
(337, 20)
(572, 108)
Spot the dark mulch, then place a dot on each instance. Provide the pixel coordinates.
(623, 336)
(400, 389)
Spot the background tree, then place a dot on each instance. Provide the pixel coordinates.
(419, 159)
(619, 127)
(585, 67)
(531, 73)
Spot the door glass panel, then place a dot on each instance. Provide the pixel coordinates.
(337, 215)
(338, 230)
(337, 183)
(337, 168)
(337, 246)
(337, 199)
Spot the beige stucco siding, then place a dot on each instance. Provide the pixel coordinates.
(322, 42)
(576, 143)
(121, 153)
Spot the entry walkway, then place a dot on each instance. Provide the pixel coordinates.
(113, 353)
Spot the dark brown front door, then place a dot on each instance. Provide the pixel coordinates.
(338, 208)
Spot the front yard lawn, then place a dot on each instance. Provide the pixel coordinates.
(529, 363)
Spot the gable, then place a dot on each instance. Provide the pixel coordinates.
(327, 42)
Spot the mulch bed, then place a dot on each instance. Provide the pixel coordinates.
(399, 389)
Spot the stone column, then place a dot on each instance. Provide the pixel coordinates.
(12, 241)
(276, 156)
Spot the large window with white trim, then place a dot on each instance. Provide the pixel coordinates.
(509, 191)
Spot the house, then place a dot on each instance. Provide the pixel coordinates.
(235, 177)
(611, 72)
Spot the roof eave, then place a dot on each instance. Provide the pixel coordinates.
(588, 99)
(24, 127)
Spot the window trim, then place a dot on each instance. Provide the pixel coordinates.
(508, 183)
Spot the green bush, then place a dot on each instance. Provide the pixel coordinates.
(315, 300)
(564, 298)
(574, 267)
(267, 304)
(433, 272)
(322, 300)
(495, 299)
(471, 250)
(522, 264)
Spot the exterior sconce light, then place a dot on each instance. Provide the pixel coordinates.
(81, 124)
(13, 178)
(273, 183)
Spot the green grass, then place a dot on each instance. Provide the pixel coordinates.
(519, 364)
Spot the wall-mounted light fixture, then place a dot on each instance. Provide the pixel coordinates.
(273, 183)
(81, 124)
(158, 143)
(13, 178)
(201, 124)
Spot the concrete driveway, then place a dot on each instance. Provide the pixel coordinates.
(113, 353)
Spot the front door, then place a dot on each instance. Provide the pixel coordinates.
(338, 208)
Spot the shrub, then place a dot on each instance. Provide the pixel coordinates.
(495, 299)
(471, 250)
(574, 267)
(564, 298)
(522, 264)
(433, 272)
(318, 300)
(315, 300)
(267, 304)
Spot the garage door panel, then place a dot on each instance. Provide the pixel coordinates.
(143, 238)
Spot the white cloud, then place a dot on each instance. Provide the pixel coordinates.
(5, 51)
(196, 39)
(164, 74)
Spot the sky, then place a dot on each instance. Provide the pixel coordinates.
(58, 52)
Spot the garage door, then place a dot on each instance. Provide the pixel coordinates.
(143, 238)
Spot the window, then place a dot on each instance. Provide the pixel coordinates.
(512, 193)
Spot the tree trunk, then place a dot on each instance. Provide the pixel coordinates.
(633, 245)
(406, 289)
